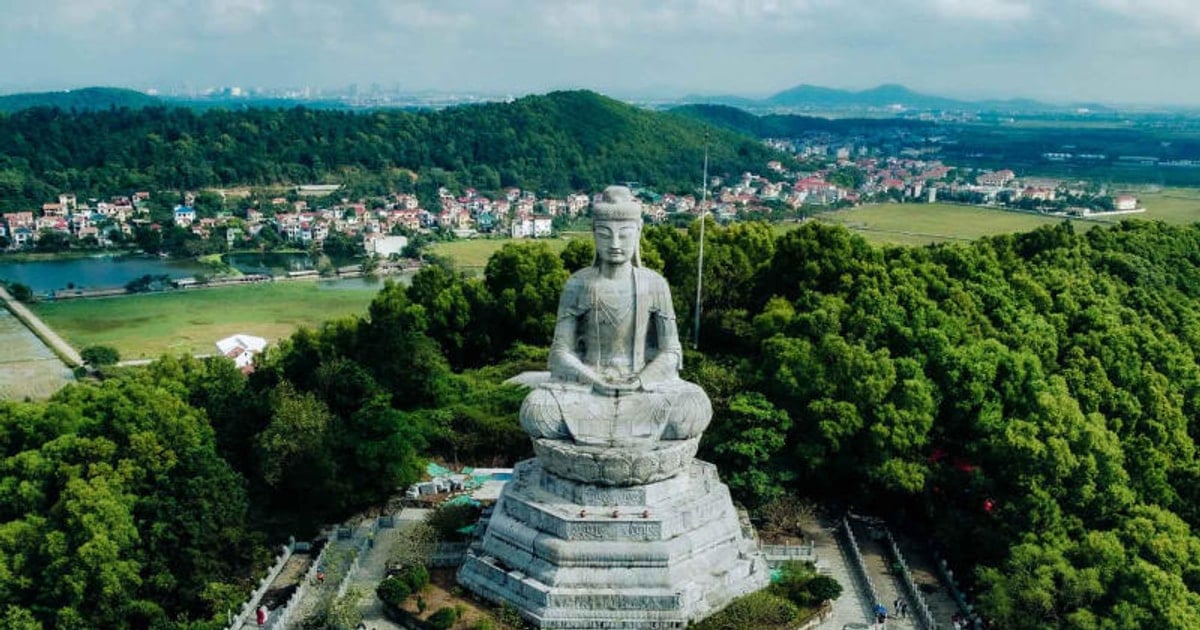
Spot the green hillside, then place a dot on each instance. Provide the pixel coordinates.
(555, 143)
(86, 99)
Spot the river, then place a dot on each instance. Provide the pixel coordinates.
(108, 272)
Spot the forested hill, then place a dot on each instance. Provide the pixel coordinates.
(557, 142)
(787, 125)
(92, 98)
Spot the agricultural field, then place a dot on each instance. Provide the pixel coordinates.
(28, 369)
(1180, 206)
(472, 254)
(190, 322)
(925, 223)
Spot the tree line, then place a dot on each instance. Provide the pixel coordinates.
(557, 143)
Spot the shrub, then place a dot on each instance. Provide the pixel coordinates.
(443, 619)
(800, 583)
(416, 576)
(484, 624)
(755, 611)
(509, 616)
(448, 519)
(393, 591)
(100, 355)
(824, 587)
(20, 292)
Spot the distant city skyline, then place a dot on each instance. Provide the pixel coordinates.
(1060, 51)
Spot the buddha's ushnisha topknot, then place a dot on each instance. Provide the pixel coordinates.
(617, 204)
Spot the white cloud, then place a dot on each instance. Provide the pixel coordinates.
(1053, 48)
(985, 10)
(1170, 19)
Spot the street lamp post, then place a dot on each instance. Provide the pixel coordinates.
(700, 258)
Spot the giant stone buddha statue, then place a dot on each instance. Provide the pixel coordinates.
(615, 359)
(614, 524)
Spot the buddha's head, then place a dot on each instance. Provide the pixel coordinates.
(617, 226)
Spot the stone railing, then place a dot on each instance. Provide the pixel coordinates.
(960, 598)
(778, 554)
(280, 617)
(263, 584)
(922, 609)
(860, 565)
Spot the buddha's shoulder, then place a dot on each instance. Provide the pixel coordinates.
(582, 278)
(589, 275)
(650, 278)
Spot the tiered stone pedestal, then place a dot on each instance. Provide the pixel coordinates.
(574, 555)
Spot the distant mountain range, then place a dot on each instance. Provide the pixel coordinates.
(889, 96)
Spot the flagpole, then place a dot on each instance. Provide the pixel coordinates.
(700, 258)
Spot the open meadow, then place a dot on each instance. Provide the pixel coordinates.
(190, 322)
(1180, 206)
(925, 223)
(472, 254)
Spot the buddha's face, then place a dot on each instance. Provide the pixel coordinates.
(616, 241)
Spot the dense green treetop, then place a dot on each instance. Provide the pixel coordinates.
(560, 142)
(1030, 399)
(90, 98)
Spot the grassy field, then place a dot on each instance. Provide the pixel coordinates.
(1180, 206)
(922, 224)
(473, 254)
(190, 322)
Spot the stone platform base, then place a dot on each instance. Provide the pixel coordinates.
(572, 555)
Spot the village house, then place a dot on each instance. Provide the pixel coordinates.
(68, 202)
(241, 349)
(526, 225)
(577, 203)
(1038, 194)
(184, 215)
(15, 220)
(1125, 203)
(995, 178)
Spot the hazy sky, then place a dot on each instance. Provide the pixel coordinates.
(1123, 51)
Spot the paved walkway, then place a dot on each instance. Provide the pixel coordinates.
(879, 566)
(832, 560)
(921, 563)
(372, 564)
(56, 343)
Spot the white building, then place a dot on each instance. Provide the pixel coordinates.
(384, 246)
(242, 348)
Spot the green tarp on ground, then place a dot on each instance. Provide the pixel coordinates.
(436, 470)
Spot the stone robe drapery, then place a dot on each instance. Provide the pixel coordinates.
(664, 408)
